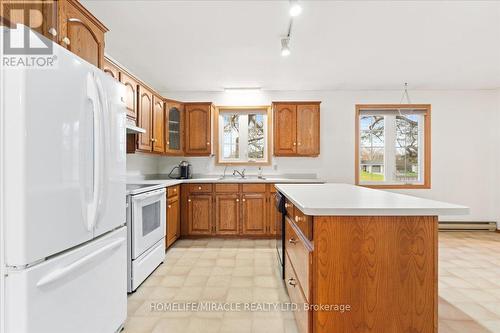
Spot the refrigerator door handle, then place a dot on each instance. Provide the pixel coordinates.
(93, 95)
(67, 270)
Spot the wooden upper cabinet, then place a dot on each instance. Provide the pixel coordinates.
(80, 32)
(308, 129)
(144, 141)
(199, 212)
(158, 124)
(111, 69)
(131, 88)
(198, 129)
(296, 128)
(14, 12)
(174, 128)
(227, 214)
(285, 129)
(254, 221)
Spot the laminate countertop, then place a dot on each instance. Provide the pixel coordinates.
(332, 199)
(163, 181)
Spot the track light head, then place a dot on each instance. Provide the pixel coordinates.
(285, 46)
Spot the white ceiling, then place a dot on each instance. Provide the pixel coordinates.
(336, 45)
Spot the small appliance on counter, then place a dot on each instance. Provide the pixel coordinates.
(184, 171)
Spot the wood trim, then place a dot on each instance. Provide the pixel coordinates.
(89, 15)
(427, 145)
(215, 140)
(298, 102)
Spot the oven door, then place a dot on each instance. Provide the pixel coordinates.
(148, 220)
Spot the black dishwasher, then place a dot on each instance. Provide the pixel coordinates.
(279, 220)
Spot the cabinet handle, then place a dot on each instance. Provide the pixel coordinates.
(298, 219)
(189, 200)
(243, 200)
(208, 143)
(168, 142)
(237, 200)
(295, 143)
(292, 241)
(175, 190)
(299, 143)
(66, 40)
(287, 205)
(292, 282)
(53, 32)
(199, 187)
(169, 206)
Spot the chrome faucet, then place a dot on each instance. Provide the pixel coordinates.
(242, 173)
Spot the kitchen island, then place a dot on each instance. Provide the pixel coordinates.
(361, 260)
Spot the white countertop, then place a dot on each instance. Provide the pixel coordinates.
(333, 199)
(162, 182)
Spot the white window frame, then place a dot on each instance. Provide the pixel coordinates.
(243, 141)
(390, 112)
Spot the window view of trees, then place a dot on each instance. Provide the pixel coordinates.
(243, 136)
(403, 157)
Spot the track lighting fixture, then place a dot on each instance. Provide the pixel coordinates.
(285, 46)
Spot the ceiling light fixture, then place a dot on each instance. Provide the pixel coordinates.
(285, 46)
(295, 8)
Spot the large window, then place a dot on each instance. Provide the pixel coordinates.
(242, 134)
(393, 146)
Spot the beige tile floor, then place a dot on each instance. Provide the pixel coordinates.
(240, 271)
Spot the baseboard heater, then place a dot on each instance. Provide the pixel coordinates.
(467, 226)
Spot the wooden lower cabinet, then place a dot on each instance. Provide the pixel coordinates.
(228, 209)
(199, 214)
(173, 220)
(254, 221)
(227, 214)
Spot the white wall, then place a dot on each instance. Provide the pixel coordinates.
(465, 142)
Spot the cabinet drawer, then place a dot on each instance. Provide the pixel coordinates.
(302, 317)
(289, 209)
(254, 188)
(227, 188)
(172, 191)
(200, 188)
(299, 254)
(304, 223)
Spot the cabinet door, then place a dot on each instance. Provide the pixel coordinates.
(131, 87)
(144, 141)
(227, 214)
(199, 214)
(198, 127)
(308, 130)
(111, 69)
(40, 16)
(285, 129)
(80, 34)
(174, 128)
(173, 220)
(254, 214)
(158, 124)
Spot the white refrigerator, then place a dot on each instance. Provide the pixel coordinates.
(63, 160)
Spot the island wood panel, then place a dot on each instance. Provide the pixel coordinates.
(308, 130)
(227, 214)
(173, 220)
(385, 268)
